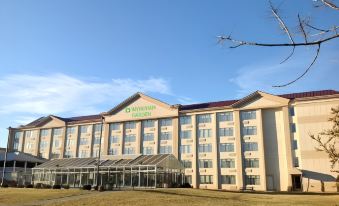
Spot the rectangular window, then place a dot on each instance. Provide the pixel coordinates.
(29, 145)
(252, 179)
(147, 151)
(165, 149)
(83, 141)
(250, 146)
(16, 146)
(130, 138)
(113, 151)
(43, 144)
(69, 154)
(249, 130)
(247, 115)
(96, 140)
(252, 163)
(96, 153)
(226, 132)
(69, 142)
(293, 128)
(228, 179)
(291, 111)
(227, 163)
(295, 144)
(56, 143)
(148, 123)
(225, 116)
(28, 134)
(165, 122)
(115, 139)
(129, 150)
(44, 132)
(204, 118)
(205, 164)
(186, 149)
(84, 128)
(185, 134)
(84, 153)
(206, 179)
(148, 137)
(114, 126)
(185, 120)
(97, 127)
(130, 125)
(70, 130)
(204, 133)
(226, 147)
(165, 135)
(57, 131)
(205, 148)
(187, 163)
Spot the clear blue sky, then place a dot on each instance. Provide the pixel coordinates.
(78, 57)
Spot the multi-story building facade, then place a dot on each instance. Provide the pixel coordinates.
(260, 141)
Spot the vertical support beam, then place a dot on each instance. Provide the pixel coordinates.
(139, 177)
(63, 142)
(195, 150)
(288, 146)
(261, 149)
(138, 137)
(215, 151)
(238, 149)
(105, 139)
(175, 137)
(155, 178)
(37, 143)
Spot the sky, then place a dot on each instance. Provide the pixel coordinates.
(83, 57)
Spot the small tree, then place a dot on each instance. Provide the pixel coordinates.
(328, 140)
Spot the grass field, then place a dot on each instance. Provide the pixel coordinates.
(166, 197)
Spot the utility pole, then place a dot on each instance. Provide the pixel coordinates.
(98, 163)
(5, 159)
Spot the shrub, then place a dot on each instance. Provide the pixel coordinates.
(5, 185)
(38, 186)
(65, 187)
(29, 186)
(186, 185)
(45, 186)
(95, 187)
(20, 186)
(56, 187)
(101, 188)
(87, 187)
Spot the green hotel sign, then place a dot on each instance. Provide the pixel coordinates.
(140, 111)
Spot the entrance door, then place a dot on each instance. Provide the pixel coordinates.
(296, 182)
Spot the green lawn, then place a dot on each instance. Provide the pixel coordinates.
(166, 197)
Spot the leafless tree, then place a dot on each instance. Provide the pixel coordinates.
(312, 36)
(328, 140)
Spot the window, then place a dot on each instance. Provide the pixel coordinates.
(205, 164)
(246, 115)
(186, 134)
(69, 142)
(185, 120)
(295, 144)
(130, 125)
(96, 140)
(204, 148)
(249, 130)
(251, 146)
(204, 133)
(296, 162)
(115, 139)
(97, 127)
(44, 132)
(226, 147)
(113, 151)
(185, 149)
(29, 145)
(96, 153)
(130, 138)
(148, 137)
(147, 150)
(83, 141)
(226, 132)
(165, 122)
(129, 150)
(225, 116)
(16, 146)
(56, 143)
(28, 134)
(227, 163)
(84, 129)
(252, 163)
(70, 130)
(84, 153)
(165, 135)
(204, 118)
(57, 131)
(206, 179)
(17, 136)
(252, 180)
(228, 179)
(43, 144)
(293, 128)
(187, 163)
(69, 154)
(291, 111)
(148, 123)
(165, 149)
(188, 179)
(114, 126)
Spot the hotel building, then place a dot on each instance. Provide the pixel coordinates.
(260, 141)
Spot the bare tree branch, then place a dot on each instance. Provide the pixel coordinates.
(301, 25)
(330, 4)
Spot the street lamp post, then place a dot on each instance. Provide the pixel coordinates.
(5, 159)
